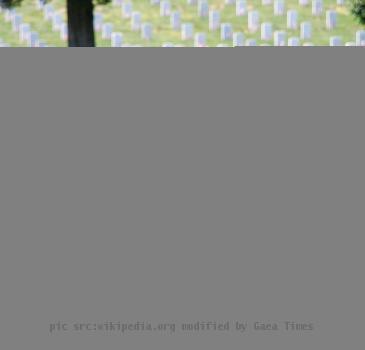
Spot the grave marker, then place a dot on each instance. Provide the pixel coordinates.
(127, 9)
(64, 32)
(226, 31)
(335, 41)
(175, 20)
(117, 39)
(251, 42)
(16, 22)
(279, 38)
(98, 21)
(305, 30)
(293, 41)
(253, 21)
(136, 19)
(165, 8)
(187, 30)
(147, 31)
(241, 7)
(238, 39)
(360, 38)
(292, 19)
(317, 7)
(203, 8)
(106, 30)
(266, 31)
(200, 40)
(24, 29)
(279, 7)
(214, 20)
(331, 19)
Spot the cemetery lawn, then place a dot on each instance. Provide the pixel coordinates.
(162, 32)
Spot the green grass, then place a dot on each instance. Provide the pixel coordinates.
(346, 25)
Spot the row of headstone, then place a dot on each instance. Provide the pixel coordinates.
(241, 10)
(254, 25)
(187, 29)
(26, 35)
(50, 14)
(253, 20)
(238, 38)
(243, 2)
(280, 39)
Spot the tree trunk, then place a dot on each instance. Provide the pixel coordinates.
(80, 19)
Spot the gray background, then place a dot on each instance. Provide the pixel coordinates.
(181, 185)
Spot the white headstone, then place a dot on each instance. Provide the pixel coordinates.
(303, 2)
(350, 43)
(165, 8)
(33, 39)
(305, 30)
(279, 7)
(16, 22)
(187, 31)
(24, 29)
(331, 19)
(266, 31)
(175, 20)
(251, 42)
(57, 21)
(192, 2)
(40, 4)
(200, 40)
(266, 2)
(293, 41)
(253, 21)
(214, 19)
(226, 31)
(230, 2)
(98, 21)
(335, 41)
(292, 19)
(64, 32)
(147, 31)
(106, 30)
(117, 2)
(241, 7)
(117, 39)
(154, 2)
(279, 38)
(203, 8)
(360, 38)
(127, 9)
(238, 39)
(136, 20)
(317, 7)
(340, 2)
(168, 45)
(48, 11)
